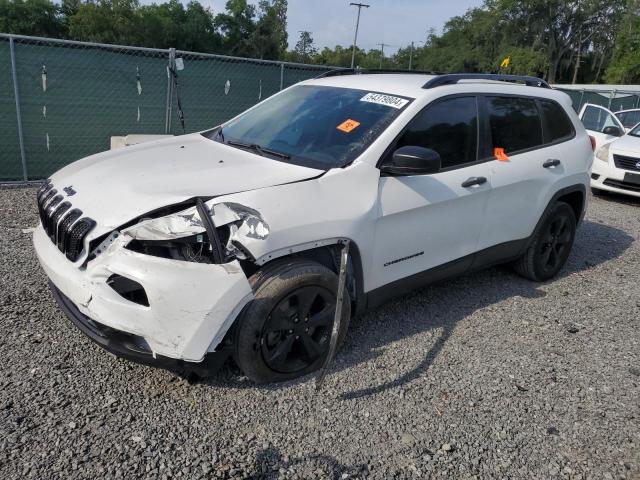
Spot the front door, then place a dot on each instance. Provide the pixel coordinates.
(426, 221)
(596, 120)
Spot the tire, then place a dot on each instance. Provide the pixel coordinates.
(551, 245)
(598, 192)
(273, 337)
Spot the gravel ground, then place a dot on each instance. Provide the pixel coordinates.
(487, 376)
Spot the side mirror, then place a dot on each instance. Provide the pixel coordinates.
(410, 160)
(612, 130)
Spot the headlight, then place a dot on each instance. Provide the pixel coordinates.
(183, 236)
(603, 152)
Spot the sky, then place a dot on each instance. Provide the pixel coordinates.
(394, 22)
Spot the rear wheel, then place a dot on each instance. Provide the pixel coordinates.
(285, 331)
(551, 245)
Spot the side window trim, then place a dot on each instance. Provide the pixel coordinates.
(537, 100)
(479, 131)
(546, 130)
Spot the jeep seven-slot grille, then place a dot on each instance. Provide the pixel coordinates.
(63, 224)
(627, 163)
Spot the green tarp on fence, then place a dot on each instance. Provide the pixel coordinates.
(74, 96)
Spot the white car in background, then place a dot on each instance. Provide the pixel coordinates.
(601, 124)
(616, 167)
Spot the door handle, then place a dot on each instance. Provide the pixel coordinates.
(552, 162)
(470, 182)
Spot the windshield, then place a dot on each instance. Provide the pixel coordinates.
(313, 126)
(635, 132)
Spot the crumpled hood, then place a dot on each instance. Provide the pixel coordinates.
(627, 144)
(117, 186)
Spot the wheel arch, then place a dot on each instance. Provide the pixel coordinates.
(576, 200)
(574, 195)
(326, 253)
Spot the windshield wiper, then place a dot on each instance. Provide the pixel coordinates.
(258, 149)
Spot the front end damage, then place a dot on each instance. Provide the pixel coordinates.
(162, 291)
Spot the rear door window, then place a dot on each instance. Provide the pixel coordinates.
(515, 123)
(557, 123)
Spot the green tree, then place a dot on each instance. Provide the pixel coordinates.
(237, 27)
(198, 30)
(41, 18)
(106, 21)
(270, 34)
(305, 49)
(625, 64)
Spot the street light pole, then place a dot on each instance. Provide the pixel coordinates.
(355, 38)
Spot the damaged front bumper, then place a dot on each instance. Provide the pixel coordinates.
(190, 305)
(134, 348)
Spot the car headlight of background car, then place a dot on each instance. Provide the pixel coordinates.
(183, 235)
(603, 152)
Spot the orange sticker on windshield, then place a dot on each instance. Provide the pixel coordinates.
(348, 125)
(500, 155)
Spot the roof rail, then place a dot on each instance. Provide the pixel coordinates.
(453, 78)
(367, 71)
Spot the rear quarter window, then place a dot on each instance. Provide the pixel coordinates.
(557, 123)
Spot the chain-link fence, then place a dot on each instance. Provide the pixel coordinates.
(615, 99)
(62, 100)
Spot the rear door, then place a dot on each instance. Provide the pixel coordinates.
(534, 134)
(596, 119)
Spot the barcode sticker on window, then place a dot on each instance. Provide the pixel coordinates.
(388, 100)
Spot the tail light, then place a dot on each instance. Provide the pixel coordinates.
(593, 142)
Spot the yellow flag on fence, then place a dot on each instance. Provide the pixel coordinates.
(505, 62)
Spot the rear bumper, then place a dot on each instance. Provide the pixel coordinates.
(135, 348)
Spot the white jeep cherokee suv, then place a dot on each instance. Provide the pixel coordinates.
(182, 252)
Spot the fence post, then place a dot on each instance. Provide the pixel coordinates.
(16, 93)
(581, 99)
(169, 104)
(281, 75)
(611, 95)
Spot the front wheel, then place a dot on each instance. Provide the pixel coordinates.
(550, 246)
(285, 331)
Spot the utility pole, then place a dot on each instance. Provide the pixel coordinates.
(411, 56)
(355, 38)
(412, 48)
(382, 45)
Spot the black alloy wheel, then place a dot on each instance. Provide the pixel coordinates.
(557, 240)
(550, 244)
(298, 330)
(285, 331)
